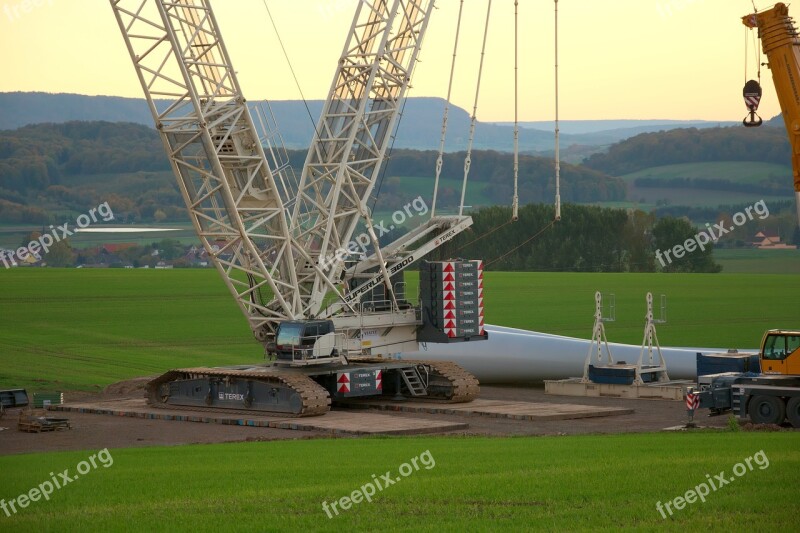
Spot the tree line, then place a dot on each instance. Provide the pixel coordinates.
(586, 239)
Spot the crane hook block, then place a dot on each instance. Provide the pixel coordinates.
(752, 98)
(752, 95)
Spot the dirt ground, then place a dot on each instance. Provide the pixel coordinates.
(91, 431)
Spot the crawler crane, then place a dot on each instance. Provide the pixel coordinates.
(331, 319)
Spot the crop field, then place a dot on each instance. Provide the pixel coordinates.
(602, 483)
(82, 329)
(735, 171)
(758, 261)
(68, 329)
(423, 186)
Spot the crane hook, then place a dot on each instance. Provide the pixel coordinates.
(752, 98)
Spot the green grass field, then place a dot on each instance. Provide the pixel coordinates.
(84, 328)
(739, 172)
(758, 261)
(423, 186)
(605, 483)
(736, 171)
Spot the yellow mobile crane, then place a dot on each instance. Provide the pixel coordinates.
(773, 395)
(779, 39)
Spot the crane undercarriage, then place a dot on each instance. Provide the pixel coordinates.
(309, 391)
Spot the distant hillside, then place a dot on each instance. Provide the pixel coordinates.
(702, 173)
(420, 125)
(583, 127)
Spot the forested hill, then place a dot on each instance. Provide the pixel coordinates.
(765, 144)
(47, 168)
(37, 156)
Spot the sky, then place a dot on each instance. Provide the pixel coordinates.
(619, 59)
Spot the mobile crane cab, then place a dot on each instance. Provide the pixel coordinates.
(780, 352)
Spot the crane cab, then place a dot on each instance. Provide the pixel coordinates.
(304, 341)
(780, 352)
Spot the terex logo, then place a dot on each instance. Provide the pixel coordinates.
(231, 396)
(447, 236)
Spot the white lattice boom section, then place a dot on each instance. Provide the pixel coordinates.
(235, 201)
(353, 135)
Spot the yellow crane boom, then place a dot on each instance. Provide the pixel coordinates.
(779, 39)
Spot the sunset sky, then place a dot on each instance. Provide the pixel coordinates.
(620, 59)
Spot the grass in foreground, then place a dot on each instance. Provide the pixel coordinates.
(67, 329)
(558, 483)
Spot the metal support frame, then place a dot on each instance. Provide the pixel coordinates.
(599, 335)
(650, 341)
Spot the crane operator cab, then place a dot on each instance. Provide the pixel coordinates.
(780, 352)
(298, 341)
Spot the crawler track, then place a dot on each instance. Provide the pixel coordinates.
(309, 398)
(461, 386)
